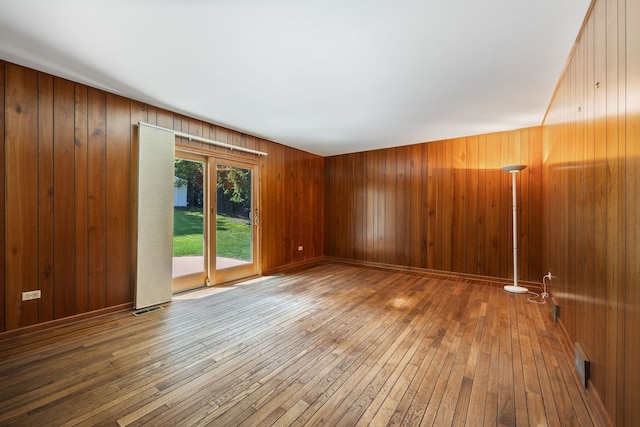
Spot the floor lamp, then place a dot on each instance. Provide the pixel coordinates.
(513, 170)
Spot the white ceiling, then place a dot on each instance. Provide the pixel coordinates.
(325, 76)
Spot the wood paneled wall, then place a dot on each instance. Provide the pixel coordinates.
(442, 205)
(292, 206)
(591, 187)
(66, 195)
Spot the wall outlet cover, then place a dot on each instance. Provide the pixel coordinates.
(29, 295)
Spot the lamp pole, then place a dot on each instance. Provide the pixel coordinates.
(515, 288)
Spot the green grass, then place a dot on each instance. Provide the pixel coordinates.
(233, 238)
(233, 235)
(187, 232)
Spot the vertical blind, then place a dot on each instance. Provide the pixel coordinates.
(154, 216)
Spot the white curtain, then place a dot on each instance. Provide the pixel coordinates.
(154, 216)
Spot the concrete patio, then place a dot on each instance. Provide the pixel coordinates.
(185, 265)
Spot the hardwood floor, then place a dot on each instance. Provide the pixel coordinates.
(328, 345)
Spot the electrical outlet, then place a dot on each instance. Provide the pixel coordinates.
(29, 295)
(300, 248)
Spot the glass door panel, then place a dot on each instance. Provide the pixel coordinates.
(235, 221)
(189, 223)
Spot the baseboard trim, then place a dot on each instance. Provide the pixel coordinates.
(472, 278)
(65, 321)
(293, 267)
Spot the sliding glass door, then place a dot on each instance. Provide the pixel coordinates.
(215, 221)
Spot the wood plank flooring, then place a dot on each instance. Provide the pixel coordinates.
(330, 345)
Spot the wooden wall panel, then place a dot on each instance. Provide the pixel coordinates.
(81, 199)
(430, 213)
(118, 199)
(66, 167)
(96, 193)
(534, 261)
(370, 212)
(295, 182)
(380, 225)
(2, 199)
(45, 196)
(613, 320)
(505, 237)
(415, 205)
(63, 199)
(481, 219)
(597, 150)
(402, 199)
(443, 205)
(632, 213)
(618, 257)
(494, 215)
(459, 225)
(21, 187)
(390, 229)
(472, 224)
(591, 176)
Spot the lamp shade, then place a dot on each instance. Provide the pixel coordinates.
(513, 168)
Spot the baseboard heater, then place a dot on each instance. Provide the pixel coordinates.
(555, 309)
(583, 364)
(147, 310)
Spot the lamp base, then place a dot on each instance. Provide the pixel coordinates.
(516, 289)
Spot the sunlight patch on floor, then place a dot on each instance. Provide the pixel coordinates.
(254, 281)
(201, 293)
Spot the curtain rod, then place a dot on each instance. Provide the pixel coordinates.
(205, 140)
